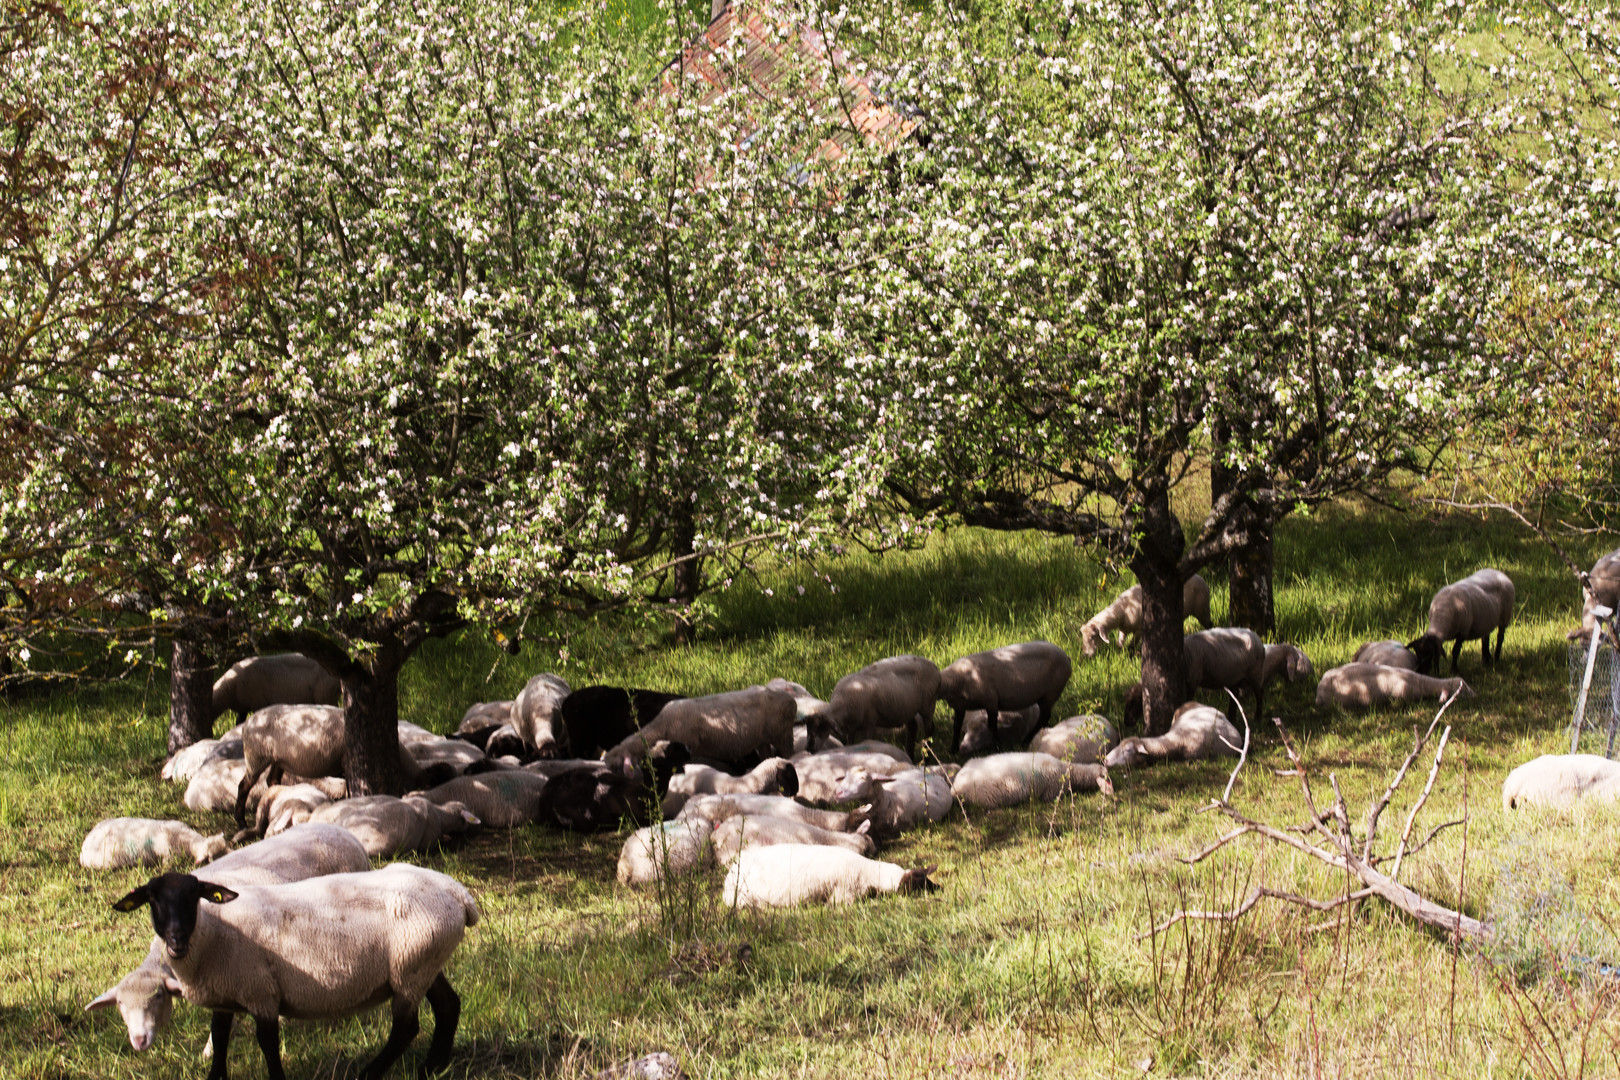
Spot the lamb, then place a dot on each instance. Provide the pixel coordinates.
(1014, 727)
(1374, 684)
(1561, 780)
(537, 715)
(1011, 677)
(503, 799)
(723, 727)
(598, 717)
(283, 679)
(1083, 739)
(285, 805)
(737, 834)
(145, 997)
(275, 950)
(1123, 617)
(1462, 611)
(784, 875)
(187, 763)
(1388, 653)
(1010, 779)
(1604, 591)
(820, 775)
(895, 692)
(121, 842)
(671, 847)
(1198, 732)
(904, 800)
(716, 808)
(389, 826)
(1229, 657)
(1284, 662)
(773, 776)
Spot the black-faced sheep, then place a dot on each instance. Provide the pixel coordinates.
(1604, 592)
(728, 727)
(895, 692)
(599, 717)
(590, 799)
(1123, 617)
(1010, 779)
(1462, 611)
(1196, 733)
(283, 679)
(1363, 685)
(1388, 653)
(784, 875)
(1011, 677)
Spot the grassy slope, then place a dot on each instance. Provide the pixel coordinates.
(1025, 964)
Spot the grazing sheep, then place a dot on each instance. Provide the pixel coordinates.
(276, 950)
(1561, 780)
(390, 826)
(1011, 677)
(1123, 618)
(537, 715)
(716, 808)
(1284, 662)
(1010, 779)
(145, 997)
(1229, 657)
(1462, 611)
(186, 763)
(1388, 653)
(283, 679)
(284, 805)
(121, 842)
(723, 727)
(1373, 684)
(895, 692)
(1604, 592)
(784, 875)
(1197, 732)
(592, 798)
(773, 776)
(902, 801)
(671, 847)
(735, 834)
(598, 717)
(1082, 739)
(503, 799)
(1015, 727)
(820, 775)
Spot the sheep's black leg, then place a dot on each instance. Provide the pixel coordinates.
(269, 1035)
(1456, 653)
(1501, 632)
(1485, 649)
(956, 728)
(406, 1025)
(219, 1030)
(911, 737)
(446, 1015)
(242, 789)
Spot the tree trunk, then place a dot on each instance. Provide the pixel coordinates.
(371, 754)
(1156, 563)
(1250, 601)
(687, 579)
(191, 695)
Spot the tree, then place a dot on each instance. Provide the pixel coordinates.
(1140, 233)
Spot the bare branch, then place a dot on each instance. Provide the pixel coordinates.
(1243, 752)
(1434, 770)
(1418, 742)
(1260, 893)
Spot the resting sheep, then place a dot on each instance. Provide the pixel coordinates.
(283, 679)
(186, 763)
(591, 798)
(737, 834)
(903, 801)
(276, 950)
(1011, 677)
(1197, 732)
(1604, 592)
(386, 825)
(1373, 684)
(597, 717)
(485, 716)
(499, 800)
(1014, 727)
(787, 874)
(1561, 780)
(122, 842)
(717, 808)
(285, 805)
(773, 776)
(1010, 779)
(1082, 739)
(537, 715)
(1388, 653)
(820, 775)
(895, 692)
(668, 848)
(1123, 618)
(1462, 611)
(722, 727)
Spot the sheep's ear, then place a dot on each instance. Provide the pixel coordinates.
(134, 899)
(172, 985)
(106, 1001)
(219, 894)
(918, 881)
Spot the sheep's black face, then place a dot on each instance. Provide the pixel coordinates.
(1428, 651)
(173, 899)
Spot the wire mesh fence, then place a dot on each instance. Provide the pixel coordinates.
(1600, 720)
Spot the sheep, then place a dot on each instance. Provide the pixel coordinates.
(186, 763)
(1011, 677)
(1561, 780)
(1197, 732)
(1014, 727)
(485, 716)
(121, 842)
(389, 826)
(784, 875)
(877, 746)
(284, 805)
(537, 715)
(454, 755)
(275, 950)
(895, 692)
(1373, 684)
(215, 785)
(1083, 739)
(1009, 779)
(1229, 657)
(773, 776)
(725, 727)
(736, 834)
(1388, 653)
(1462, 611)
(820, 775)
(283, 679)
(670, 847)
(145, 997)
(1284, 662)
(716, 808)
(1123, 617)
(598, 717)
(500, 800)
(904, 800)
(1604, 591)
(807, 703)
(592, 798)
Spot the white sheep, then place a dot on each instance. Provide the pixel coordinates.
(1373, 684)
(1229, 657)
(1284, 662)
(670, 848)
(485, 714)
(773, 776)
(784, 875)
(502, 799)
(1388, 653)
(716, 808)
(215, 785)
(121, 842)
(186, 763)
(1604, 592)
(1198, 732)
(284, 805)
(1123, 618)
(1082, 739)
(804, 701)
(720, 727)
(306, 741)
(820, 775)
(1561, 780)
(904, 800)
(277, 950)
(1011, 677)
(1010, 779)
(895, 692)
(537, 714)
(736, 834)
(282, 679)
(454, 754)
(1462, 611)
(1014, 727)
(390, 826)
(877, 746)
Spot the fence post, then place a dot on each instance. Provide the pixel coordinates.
(1601, 613)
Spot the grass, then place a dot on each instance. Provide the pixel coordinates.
(1026, 963)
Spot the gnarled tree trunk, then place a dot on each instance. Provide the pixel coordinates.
(191, 695)
(686, 572)
(371, 724)
(1249, 569)
(1157, 566)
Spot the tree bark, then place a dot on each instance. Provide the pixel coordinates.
(1156, 563)
(191, 695)
(371, 754)
(1251, 602)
